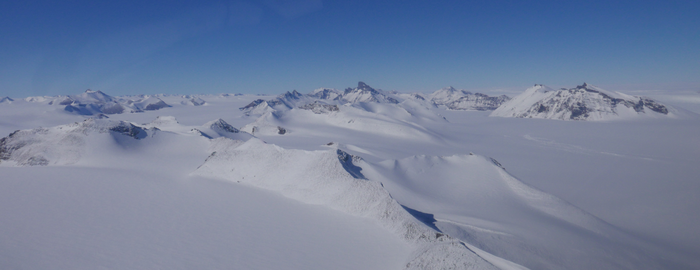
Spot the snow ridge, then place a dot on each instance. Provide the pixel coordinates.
(333, 179)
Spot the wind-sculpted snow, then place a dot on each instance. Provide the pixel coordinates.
(474, 199)
(64, 144)
(333, 179)
(584, 102)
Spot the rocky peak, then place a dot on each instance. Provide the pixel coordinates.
(220, 124)
(363, 86)
(291, 96)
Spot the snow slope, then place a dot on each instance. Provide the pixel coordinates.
(109, 199)
(332, 178)
(473, 198)
(327, 178)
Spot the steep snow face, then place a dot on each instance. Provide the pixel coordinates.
(584, 102)
(365, 93)
(333, 179)
(473, 198)
(455, 99)
(64, 144)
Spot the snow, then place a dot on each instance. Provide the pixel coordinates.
(108, 218)
(373, 185)
(455, 99)
(584, 102)
(474, 199)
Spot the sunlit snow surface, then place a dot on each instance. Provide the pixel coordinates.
(556, 195)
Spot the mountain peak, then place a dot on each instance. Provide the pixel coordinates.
(90, 91)
(363, 86)
(584, 102)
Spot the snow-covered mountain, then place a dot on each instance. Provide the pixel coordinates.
(6, 100)
(96, 102)
(454, 99)
(326, 93)
(584, 102)
(285, 101)
(419, 200)
(333, 179)
(316, 181)
(66, 144)
(63, 144)
(435, 185)
(365, 93)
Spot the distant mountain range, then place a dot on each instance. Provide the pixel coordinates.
(584, 102)
(448, 97)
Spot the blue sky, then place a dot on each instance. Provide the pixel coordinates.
(271, 46)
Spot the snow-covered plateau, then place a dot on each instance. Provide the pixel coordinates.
(359, 178)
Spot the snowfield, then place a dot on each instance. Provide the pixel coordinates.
(353, 179)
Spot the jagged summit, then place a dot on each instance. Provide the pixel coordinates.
(294, 95)
(583, 102)
(363, 93)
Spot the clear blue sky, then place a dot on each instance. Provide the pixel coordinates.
(271, 46)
